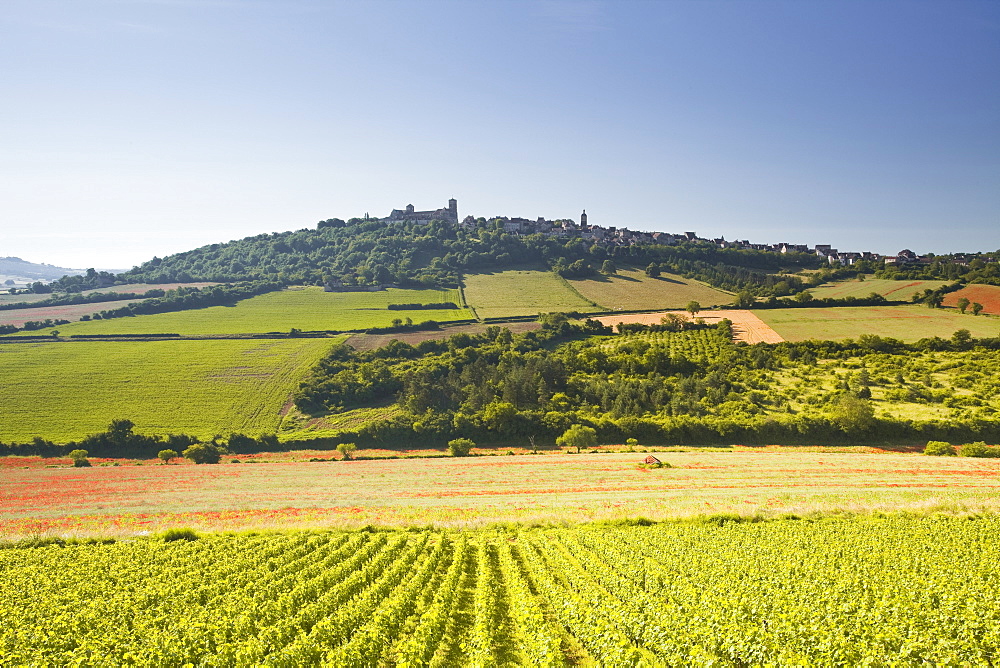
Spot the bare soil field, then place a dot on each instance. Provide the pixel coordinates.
(747, 326)
(372, 341)
(73, 312)
(987, 295)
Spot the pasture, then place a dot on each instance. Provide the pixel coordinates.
(631, 289)
(987, 295)
(66, 390)
(891, 290)
(893, 591)
(907, 323)
(304, 308)
(553, 487)
(521, 292)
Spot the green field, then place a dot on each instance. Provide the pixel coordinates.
(631, 289)
(891, 290)
(520, 292)
(907, 323)
(64, 391)
(304, 308)
(874, 592)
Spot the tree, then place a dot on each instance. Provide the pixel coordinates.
(977, 308)
(203, 453)
(578, 436)
(692, 307)
(853, 414)
(460, 447)
(79, 458)
(632, 444)
(167, 455)
(745, 299)
(347, 449)
(653, 270)
(608, 267)
(963, 303)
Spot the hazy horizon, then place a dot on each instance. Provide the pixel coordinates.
(141, 128)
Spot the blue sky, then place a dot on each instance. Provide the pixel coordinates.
(134, 128)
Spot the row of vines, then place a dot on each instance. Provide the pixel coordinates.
(835, 592)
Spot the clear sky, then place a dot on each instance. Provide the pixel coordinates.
(134, 128)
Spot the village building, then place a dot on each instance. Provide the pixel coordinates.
(409, 215)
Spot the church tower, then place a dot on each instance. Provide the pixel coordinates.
(583, 218)
(453, 209)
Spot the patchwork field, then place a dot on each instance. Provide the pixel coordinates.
(872, 592)
(520, 292)
(64, 391)
(305, 308)
(907, 323)
(987, 295)
(892, 290)
(468, 492)
(631, 289)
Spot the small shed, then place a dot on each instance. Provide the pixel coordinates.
(650, 459)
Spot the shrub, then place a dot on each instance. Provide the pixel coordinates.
(180, 534)
(204, 453)
(939, 449)
(347, 449)
(978, 449)
(167, 455)
(79, 458)
(460, 447)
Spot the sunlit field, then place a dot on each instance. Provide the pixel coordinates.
(907, 323)
(554, 487)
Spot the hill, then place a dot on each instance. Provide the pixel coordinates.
(15, 271)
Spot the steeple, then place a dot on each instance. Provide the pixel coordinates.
(583, 218)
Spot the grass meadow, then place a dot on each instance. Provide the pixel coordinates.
(891, 290)
(521, 292)
(304, 308)
(554, 487)
(64, 391)
(907, 323)
(631, 289)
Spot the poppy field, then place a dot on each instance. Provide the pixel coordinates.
(840, 592)
(273, 491)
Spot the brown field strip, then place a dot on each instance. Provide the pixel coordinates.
(747, 327)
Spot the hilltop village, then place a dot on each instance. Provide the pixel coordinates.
(622, 236)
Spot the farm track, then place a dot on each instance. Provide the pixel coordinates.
(842, 592)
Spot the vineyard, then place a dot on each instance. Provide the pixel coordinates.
(834, 592)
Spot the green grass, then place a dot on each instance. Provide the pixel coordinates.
(307, 308)
(64, 391)
(520, 292)
(631, 289)
(907, 323)
(892, 290)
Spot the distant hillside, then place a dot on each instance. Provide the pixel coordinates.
(21, 271)
(360, 252)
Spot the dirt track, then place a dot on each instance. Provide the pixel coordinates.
(746, 326)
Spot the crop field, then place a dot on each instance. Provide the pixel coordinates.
(889, 591)
(448, 492)
(747, 327)
(519, 292)
(19, 316)
(305, 308)
(987, 295)
(891, 290)
(907, 323)
(66, 390)
(631, 289)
